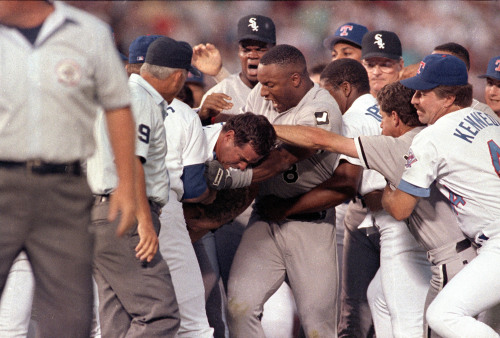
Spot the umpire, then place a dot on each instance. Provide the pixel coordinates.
(58, 64)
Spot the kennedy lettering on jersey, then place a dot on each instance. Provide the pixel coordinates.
(472, 124)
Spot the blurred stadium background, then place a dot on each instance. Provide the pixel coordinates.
(421, 25)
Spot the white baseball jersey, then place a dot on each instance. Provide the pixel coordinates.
(186, 150)
(151, 145)
(211, 133)
(461, 152)
(232, 86)
(363, 118)
(50, 91)
(318, 109)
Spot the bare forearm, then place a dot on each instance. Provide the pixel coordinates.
(278, 161)
(398, 203)
(316, 138)
(334, 191)
(143, 213)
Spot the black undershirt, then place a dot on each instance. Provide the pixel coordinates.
(30, 33)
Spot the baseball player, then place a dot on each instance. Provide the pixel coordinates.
(123, 308)
(401, 255)
(185, 163)
(382, 58)
(442, 152)
(45, 199)
(288, 248)
(433, 222)
(256, 34)
(492, 90)
(462, 53)
(346, 42)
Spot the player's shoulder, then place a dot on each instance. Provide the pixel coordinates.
(81, 17)
(225, 85)
(182, 110)
(318, 99)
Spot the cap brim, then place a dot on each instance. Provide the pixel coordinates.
(256, 38)
(417, 83)
(382, 55)
(486, 76)
(194, 71)
(332, 40)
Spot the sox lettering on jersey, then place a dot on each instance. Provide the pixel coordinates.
(373, 111)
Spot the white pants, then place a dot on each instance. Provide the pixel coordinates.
(17, 299)
(178, 252)
(473, 290)
(398, 291)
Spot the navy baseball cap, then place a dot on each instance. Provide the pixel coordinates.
(493, 70)
(383, 44)
(438, 70)
(167, 52)
(256, 27)
(139, 47)
(349, 32)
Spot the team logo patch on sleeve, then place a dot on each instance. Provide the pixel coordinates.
(321, 117)
(410, 159)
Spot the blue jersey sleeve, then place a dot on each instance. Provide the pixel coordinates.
(413, 189)
(193, 180)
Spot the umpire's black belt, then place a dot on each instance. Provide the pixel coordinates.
(44, 168)
(308, 217)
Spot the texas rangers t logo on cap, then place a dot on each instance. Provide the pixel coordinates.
(344, 30)
(497, 63)
(421, 67)
(253, 24)
(378, 41)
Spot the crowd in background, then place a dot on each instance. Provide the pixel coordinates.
(421, 25)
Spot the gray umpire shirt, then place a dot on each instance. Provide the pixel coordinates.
(50, 91)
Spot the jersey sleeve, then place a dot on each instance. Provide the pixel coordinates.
(421, 166)
(193, 159)
(381, 154)
(143, 124)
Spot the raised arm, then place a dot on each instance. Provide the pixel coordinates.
(207, 59)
